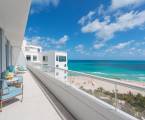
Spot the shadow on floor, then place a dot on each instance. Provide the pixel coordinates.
(11, 101)
(58, 106)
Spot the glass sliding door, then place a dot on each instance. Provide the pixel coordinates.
(7, 54)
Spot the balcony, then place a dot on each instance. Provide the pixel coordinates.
(57, 94)
(36, 104)
(90, 97)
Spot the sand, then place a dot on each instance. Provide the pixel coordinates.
(95, 83)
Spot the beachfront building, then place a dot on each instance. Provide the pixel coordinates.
(46, 97)
(31, 52)
(13, 17)
(55, 59)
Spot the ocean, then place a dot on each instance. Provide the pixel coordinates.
(117, 69)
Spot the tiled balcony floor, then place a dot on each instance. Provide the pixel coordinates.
(35, 105)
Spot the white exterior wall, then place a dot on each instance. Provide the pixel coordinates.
(14, 14)
(15, 53)
(61, 64)
(51, 55)
(33, 51)
(50, 58)
(61, 75)
(21, 59)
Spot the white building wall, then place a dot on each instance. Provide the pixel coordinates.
(31, 50)
(15, 53)
(61, 64)
(13, 18)
(51, 56)
(21, 59)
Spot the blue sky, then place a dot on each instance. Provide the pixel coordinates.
(89, 29)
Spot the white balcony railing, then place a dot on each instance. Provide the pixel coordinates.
(122, 99)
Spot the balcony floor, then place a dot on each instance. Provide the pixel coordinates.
(35, 105)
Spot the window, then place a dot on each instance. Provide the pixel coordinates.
(57, 58)
(34, 58)
(45, 58)
(62, 58)
(38, 50)
(28, 57)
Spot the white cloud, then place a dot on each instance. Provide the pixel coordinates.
(46, 2)
(80, 48)
(47, 42)
(120, 46)
(98, 46)
(101, 10)
(63, 40)
(133, 49)
(123, 45)
(105, 30)
(40, 5)
(60, 41)
(88, 17)
(123, 3)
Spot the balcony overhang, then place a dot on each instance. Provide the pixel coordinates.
(13, 19)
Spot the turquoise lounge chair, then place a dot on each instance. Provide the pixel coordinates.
(8, 92)
(16, 78)
(21, 69)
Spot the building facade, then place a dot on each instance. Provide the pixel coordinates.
(31, 52)
(13, 21)
(55, 58)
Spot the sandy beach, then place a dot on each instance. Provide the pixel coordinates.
(89, 83)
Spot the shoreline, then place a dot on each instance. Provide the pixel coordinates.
(118, 79)
(133, 82)
(92, 84)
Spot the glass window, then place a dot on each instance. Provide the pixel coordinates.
(45, 58)
(28, 57)
(38, 50)
(34, 58)
(62, 58)
(57, 58)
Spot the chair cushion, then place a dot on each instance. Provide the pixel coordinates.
(5, 91)
(4, 87)
(4, 74)
(18, 78)
(11, 68)
(13, 92)
(22, 68)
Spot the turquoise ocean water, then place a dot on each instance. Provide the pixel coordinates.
(128, 70)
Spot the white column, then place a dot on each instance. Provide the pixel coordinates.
(15, 54)
(2, 51)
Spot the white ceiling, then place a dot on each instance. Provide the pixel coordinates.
(13, 19)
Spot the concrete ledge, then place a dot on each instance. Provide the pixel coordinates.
(82, 105)
(58, 106)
